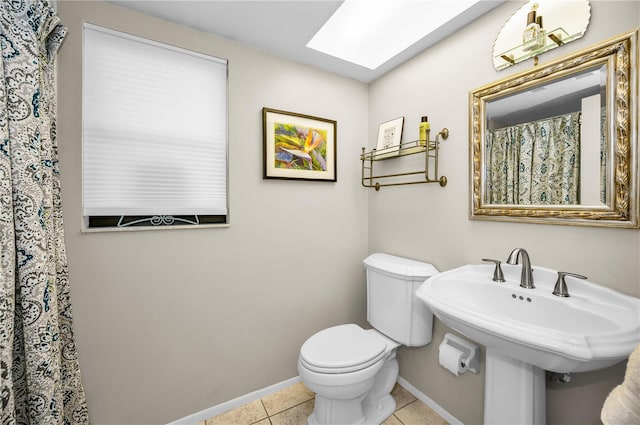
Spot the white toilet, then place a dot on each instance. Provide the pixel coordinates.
(353, 370)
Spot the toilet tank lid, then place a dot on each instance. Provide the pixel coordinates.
(399, 265)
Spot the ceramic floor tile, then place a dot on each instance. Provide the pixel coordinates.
(418, 413)
(295, 416)
(392, 420)
(244, 415)
(287, 398)
(402, 396)
(294, 404)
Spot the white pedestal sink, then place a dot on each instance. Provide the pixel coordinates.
(528, 331)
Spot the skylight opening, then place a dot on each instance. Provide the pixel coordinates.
(369, 33)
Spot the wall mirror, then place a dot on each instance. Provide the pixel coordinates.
(555, 23)
(558, 143)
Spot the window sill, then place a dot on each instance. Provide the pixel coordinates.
(151, 228)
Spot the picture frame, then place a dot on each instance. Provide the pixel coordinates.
(298, 146)
(389, 138)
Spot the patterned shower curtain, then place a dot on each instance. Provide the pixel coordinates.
(39, 373)
(535, 163)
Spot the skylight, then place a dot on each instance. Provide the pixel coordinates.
(370, 32)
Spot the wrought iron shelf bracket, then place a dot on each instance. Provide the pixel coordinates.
(429, 173)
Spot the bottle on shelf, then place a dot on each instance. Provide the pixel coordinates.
(542, 35)
(531, 33)
(424, 131)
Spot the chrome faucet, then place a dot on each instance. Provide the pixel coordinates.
(526, 279)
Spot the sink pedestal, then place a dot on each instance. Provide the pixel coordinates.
(528, 331)
(514, 391)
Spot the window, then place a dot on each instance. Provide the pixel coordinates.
(154, 133)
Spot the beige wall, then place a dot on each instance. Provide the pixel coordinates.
(431, 223)
(171, 322)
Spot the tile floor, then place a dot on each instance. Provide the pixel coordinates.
(292, 405)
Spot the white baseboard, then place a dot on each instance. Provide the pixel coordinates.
(258, 394)
(236, 402)
(429, 402)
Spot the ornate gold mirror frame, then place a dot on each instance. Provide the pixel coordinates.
(620, 57)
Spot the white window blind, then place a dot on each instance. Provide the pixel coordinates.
(154, 128)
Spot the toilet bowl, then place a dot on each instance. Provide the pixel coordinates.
(353, 370)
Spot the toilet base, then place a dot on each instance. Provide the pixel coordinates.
(332, 411)
(371, 408)
(373, 414)
(376, 414)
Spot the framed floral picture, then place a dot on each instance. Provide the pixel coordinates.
(298, 146)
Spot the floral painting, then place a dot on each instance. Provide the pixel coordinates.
(298, 146)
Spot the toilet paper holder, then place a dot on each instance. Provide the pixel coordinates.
(471, 359)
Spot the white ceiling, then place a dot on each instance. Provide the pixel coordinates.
(283, 28)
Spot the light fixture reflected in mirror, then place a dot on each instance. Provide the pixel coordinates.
(540, 26)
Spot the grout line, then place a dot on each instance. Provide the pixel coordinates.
(289, 408)
(397, 418)
(406, 405)
(265, 408)
(410, 403)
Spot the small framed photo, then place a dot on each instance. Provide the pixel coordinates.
(298, 146)
(389, 137)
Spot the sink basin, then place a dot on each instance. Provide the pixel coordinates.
(594, 328)
(528, 331)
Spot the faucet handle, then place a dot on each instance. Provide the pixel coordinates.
(560, 290)
(497, 272)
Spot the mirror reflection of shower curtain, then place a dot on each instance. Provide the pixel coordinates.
(535, 163)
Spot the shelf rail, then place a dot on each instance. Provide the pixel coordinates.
(430, 150)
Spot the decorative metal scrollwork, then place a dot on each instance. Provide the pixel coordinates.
(158, 220)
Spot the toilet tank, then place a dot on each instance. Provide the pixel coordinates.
(392, 306)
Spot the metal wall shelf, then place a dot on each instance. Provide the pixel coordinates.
(428, 149)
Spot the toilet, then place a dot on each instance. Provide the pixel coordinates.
(353, 370)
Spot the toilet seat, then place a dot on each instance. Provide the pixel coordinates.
(342, 349)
